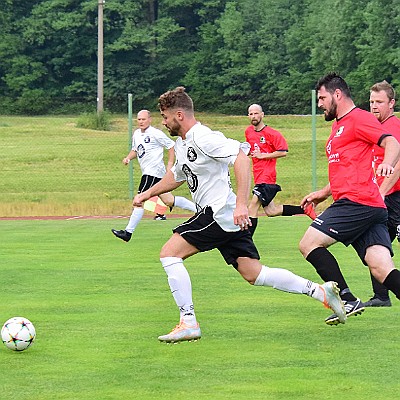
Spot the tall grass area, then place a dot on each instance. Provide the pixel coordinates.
(51, 167)
(98, 305)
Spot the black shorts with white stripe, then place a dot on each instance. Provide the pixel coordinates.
(203, 232)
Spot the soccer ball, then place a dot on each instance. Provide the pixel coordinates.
(18, 333)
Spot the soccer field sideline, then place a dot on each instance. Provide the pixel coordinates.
(89, 217)
(71, 217)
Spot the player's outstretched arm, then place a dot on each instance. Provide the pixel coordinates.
(132, 154)
(388, 183)
(242, 174)
(392, 155)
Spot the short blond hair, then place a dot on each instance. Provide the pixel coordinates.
(385, 87)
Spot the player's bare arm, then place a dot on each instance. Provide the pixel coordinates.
(171, 158)
(316, 197)
(392, 156)
(268, 156)
(388, 183)
(166, 184)
(132, 154)
(242, 174)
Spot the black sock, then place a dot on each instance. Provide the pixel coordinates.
(291, 210)
(392, 282)
(253, 226)
(380, 291)
(392, 233)
(328, 269)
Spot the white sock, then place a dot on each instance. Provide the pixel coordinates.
(286, 281)
(181, 287)
(316, 292)
(136, 216)
(186, 204)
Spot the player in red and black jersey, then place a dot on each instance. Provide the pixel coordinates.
(382, 102)
(266, 146)
(358, 215)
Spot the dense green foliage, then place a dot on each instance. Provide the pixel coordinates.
(227, 53)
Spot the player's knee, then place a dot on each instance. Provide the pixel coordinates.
(303, 247)
(271, 210)
(165, 252)
(168, 201)
(269, 213)
(249, 279)
(249, 271)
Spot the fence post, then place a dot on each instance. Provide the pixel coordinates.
(130, 166)
(314, 139)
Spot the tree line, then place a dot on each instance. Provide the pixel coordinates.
(228, 54)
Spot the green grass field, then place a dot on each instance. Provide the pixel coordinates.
(98, 305)
(51, 167)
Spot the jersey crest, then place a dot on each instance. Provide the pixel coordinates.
(147, 139)
(339, 131)
(262, 139)
(140, 151)
(191, 178)
(191, 154)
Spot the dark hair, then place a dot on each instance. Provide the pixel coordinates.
(176, 98)
(386, 87)
(333, 81)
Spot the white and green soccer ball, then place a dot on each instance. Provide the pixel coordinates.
(18, 333)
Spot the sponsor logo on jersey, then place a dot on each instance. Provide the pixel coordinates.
(191, 178)
(140, 151)
(339, 131)
(329, 147)
(333, 157)
(191, 154)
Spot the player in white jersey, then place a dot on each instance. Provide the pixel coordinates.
(148, 144)
(203, 158)
(208, 182)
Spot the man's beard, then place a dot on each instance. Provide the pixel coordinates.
(331, 114)
(174, 130)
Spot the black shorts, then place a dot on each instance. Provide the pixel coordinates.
(266, 192)
(392, 202)
(356, 224)
(202, 232)
(147, 182)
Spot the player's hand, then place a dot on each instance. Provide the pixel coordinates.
(307, 200)
(126, 161)
(384, 170)
(241, 217)
(256, 153)
(313, 198)
(139, 199)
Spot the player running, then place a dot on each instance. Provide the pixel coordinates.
(148, 144)
(266, 146)
(358, 215)
(203, 158)
(382, 102)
